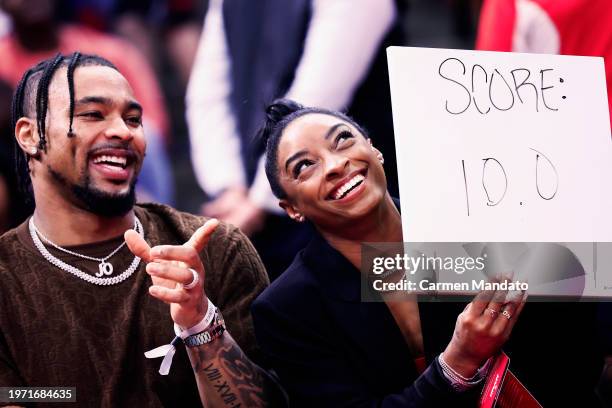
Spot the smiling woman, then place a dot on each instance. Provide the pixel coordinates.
(325, 162)
(329, 348)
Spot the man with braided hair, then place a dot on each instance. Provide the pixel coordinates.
(77, 307)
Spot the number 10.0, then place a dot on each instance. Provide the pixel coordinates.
(495, 192)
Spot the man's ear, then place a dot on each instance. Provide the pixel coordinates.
(27, 136)
(291, 211)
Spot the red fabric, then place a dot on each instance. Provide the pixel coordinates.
(496, 25)
(584, 27)
(131, 63)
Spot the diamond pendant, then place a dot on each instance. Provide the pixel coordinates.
(105, 268)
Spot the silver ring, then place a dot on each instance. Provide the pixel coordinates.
(492, 312)
(196, 279)
(506, 314)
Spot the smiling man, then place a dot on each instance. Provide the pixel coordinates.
(78, 307)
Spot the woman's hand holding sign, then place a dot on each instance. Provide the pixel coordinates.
(482, 328)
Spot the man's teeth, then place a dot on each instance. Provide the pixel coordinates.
(341, 192)
(122, 161)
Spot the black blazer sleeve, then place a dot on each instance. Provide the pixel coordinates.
(315, 374)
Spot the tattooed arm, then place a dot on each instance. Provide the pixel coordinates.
(227, 378)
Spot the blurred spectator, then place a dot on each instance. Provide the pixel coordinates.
(5, 24)
(317, 52)
(165, 31)
(569, 27)
(37, 35)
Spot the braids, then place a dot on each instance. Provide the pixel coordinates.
(20, 159)
(31, 99)
(73, 63)
(17, 105)
(42, 99)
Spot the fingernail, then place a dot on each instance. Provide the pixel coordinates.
(154, 290)
(156, 252)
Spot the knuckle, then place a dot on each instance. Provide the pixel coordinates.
(496, 333)
(163, 269)
(467, 321)
(481, 328)
(192, 255)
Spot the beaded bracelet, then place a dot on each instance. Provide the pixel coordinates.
(458, 381)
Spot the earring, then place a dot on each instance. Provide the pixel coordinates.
(299, 218)
(33, 151)
(381, 159)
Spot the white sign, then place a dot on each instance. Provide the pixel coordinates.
(501, 147)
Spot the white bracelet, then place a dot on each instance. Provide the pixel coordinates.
(201, 326)
(167, 350)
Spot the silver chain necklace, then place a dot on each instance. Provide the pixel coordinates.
(103, 267)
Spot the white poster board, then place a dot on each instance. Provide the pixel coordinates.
(505, 147)
(501, 147)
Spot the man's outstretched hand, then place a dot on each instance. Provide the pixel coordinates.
(169, 267)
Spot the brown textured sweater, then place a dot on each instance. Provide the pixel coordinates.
(58, 330)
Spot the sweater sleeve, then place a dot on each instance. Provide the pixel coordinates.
(237, 276)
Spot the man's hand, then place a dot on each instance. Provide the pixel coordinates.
(247, 216)
(169, 267)
(225, 203)
(234, 207)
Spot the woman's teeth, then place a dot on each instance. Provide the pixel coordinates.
(348, 186)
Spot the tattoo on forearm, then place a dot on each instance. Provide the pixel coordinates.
(244, 374)
(213, 374)
(225, 392)
(232, 376)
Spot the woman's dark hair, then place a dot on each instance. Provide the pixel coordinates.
(31, 99)
(279, 115)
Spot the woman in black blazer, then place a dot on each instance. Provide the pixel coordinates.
(328, 347)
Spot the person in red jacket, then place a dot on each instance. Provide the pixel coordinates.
(569, 27)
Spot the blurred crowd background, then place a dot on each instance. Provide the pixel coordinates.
(205, 69)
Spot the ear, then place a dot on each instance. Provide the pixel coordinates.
(379, 154)
(291, 211)
(27, 136)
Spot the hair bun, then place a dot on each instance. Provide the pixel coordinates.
(279, 109)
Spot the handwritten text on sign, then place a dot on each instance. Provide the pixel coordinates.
(501, 146)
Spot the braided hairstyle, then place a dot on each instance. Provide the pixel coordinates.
(279, 115)
(31, 100)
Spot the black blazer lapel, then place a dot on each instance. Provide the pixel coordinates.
(374, 343)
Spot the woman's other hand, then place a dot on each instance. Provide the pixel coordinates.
(482, 328)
